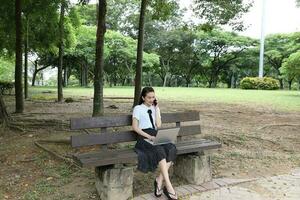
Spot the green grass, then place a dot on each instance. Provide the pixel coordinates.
(278, 99)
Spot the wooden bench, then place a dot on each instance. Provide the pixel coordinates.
(114, 166)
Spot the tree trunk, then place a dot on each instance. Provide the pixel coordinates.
(61, 52)
(99, 64)
(214, 84)
(165, 80)
(3, 112)
(179, 81)
(34, 73)
(290, 84)
(213, 80)
(229, 81)
(42, 78)
(26, 62)
(84, 74)
(281, 83)
(65, 82)
(176, 82)
(18, 63)
(109, 80)
(139, 59)
(232, 83)
(25, 70)
(81, 75)
(187, 81)
(36, 70)
(149, 79)
(124, 82)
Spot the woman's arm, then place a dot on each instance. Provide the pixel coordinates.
(158, 117)
(135, 127)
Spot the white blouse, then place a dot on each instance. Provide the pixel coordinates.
(140, 112)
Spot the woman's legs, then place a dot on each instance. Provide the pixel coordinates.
(167, 151)
(160, 178)
(164, 171)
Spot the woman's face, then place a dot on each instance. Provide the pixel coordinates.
(149, 98)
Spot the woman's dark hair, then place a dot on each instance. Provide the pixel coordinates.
(144, 93)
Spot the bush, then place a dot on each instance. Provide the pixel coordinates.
(265, 83)
(69, 100)
(6, 86)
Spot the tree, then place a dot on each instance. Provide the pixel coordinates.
(163, 38)
(161, 9)
(3, 112)
(26, 60)
(8, 32)
(39, 17)
(61, 51)
(139, 53)
(117, 20)
(185, 62)
(291, 68)
(279, 47)
(81, 57)
(119, 54)
(52, 54)
(222, 12)
(243, 66)
(99, 63)
(218, 50)
(34, 12)
(18, 66)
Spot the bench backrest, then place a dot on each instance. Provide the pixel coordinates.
(105, 122)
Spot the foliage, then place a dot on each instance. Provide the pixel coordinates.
(266, 83)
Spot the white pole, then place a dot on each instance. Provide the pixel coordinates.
(262, 40)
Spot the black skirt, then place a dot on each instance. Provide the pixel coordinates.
(149, 155)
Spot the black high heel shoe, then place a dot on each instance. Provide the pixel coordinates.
(167, 193)
(156, 189)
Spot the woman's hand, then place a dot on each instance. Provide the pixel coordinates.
(156, 100)
(151, 138)
(158, 117)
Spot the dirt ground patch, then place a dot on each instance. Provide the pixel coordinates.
(257, 141)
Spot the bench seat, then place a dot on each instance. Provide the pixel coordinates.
(120, 156)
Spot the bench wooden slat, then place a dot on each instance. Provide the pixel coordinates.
(110, 157)
(120, 158)
(124, 136)
(131, 157)
(100, 153)
(126, 120)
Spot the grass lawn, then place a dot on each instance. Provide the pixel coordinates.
(278, 99)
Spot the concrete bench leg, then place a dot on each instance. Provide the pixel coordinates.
(114, 182)
(196, 169)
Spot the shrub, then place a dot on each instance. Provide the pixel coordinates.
(6, 86)
(265, 83)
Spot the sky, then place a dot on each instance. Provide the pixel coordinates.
(282, 16)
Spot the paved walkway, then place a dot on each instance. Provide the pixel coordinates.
(282, 187)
